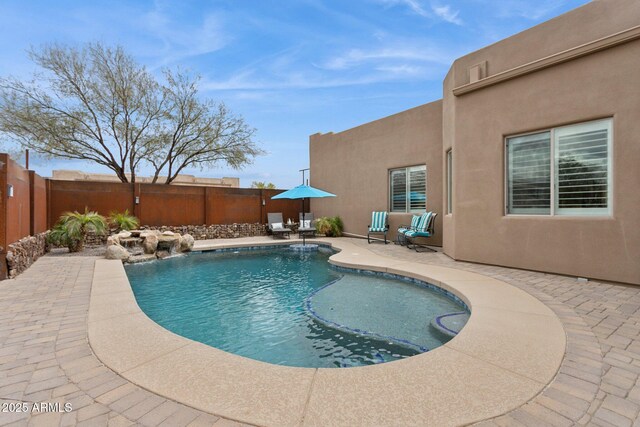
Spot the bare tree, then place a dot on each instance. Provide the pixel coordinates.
(197, 133)
(97, 104)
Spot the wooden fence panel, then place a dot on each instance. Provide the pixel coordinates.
(233, 205)
(289, 208)
(19, 206)
(162, 204)
(38, 188)
(103, 197)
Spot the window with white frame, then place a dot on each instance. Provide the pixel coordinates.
(561, 171)
(449, 181)
(408, 189)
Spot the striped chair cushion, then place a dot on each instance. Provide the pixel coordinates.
(417, 233)
(415, 221)
(378, 222)
(424, 222)
(421, 229)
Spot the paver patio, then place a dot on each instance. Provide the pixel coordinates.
(45, 355)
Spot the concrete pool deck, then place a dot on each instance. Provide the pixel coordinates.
(510, 349)
(45, 356)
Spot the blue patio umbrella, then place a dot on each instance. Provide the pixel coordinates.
(303, 192)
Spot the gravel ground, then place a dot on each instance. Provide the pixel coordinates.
(88, 251)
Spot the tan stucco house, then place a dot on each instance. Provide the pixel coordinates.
(531, 159)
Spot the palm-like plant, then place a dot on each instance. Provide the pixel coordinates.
(72, 228)
(330, 226)
(123, 221)
(58, 236)
(262, 184)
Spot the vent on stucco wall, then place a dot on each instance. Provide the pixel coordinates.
(477, 72)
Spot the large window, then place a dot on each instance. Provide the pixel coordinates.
(449, 181)
(408, 189)
(562, 171)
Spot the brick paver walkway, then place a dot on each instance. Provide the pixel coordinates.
(598, 382)
(45, 356)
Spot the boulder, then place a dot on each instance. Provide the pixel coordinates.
(135, 233)
(130, 242)
(168, 233)
(116, 252)
(124, 235)
(170, 244)
(113, 240)
(146, 233)
(134, 259)
(186, 243)
(150, 244)
(162, 254)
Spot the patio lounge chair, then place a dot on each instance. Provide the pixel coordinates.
(379, 225)
(276, 225)
(425, 229)
(415, 221)
(306, 228)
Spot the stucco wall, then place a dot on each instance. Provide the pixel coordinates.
(602, 84)
(355, 164)
(595, 20)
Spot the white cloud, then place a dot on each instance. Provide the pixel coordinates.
(257, 81)
(416, 7)
(397, 51)
(389, 60)
(180, 40)
(533, 11)
(436, 11)
(447, 14)
(402, 70)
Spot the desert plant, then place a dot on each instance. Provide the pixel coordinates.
(123, 220)
(339, 225)
(72, 228)
(59, 236)
(330, 226)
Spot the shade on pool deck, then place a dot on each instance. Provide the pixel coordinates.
(44, 351)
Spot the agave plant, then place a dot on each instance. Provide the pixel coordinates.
(123, 221)
(72, 228)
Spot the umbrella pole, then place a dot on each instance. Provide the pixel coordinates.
(304, 240)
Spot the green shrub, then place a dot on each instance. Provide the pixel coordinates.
(59, 236)
(330, 226)
(123, 221)
(72, 228)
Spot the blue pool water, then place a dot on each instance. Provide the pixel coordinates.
(274, 305)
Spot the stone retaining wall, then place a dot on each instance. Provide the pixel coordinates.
(92, 239)
(24, 252)
(199, 232)
(216, 231)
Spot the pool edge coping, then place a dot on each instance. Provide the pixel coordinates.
(146, 354)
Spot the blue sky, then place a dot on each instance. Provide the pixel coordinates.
(291, 68)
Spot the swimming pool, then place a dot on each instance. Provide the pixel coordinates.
(289, 308)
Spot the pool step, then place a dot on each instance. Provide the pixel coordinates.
(450, 324)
